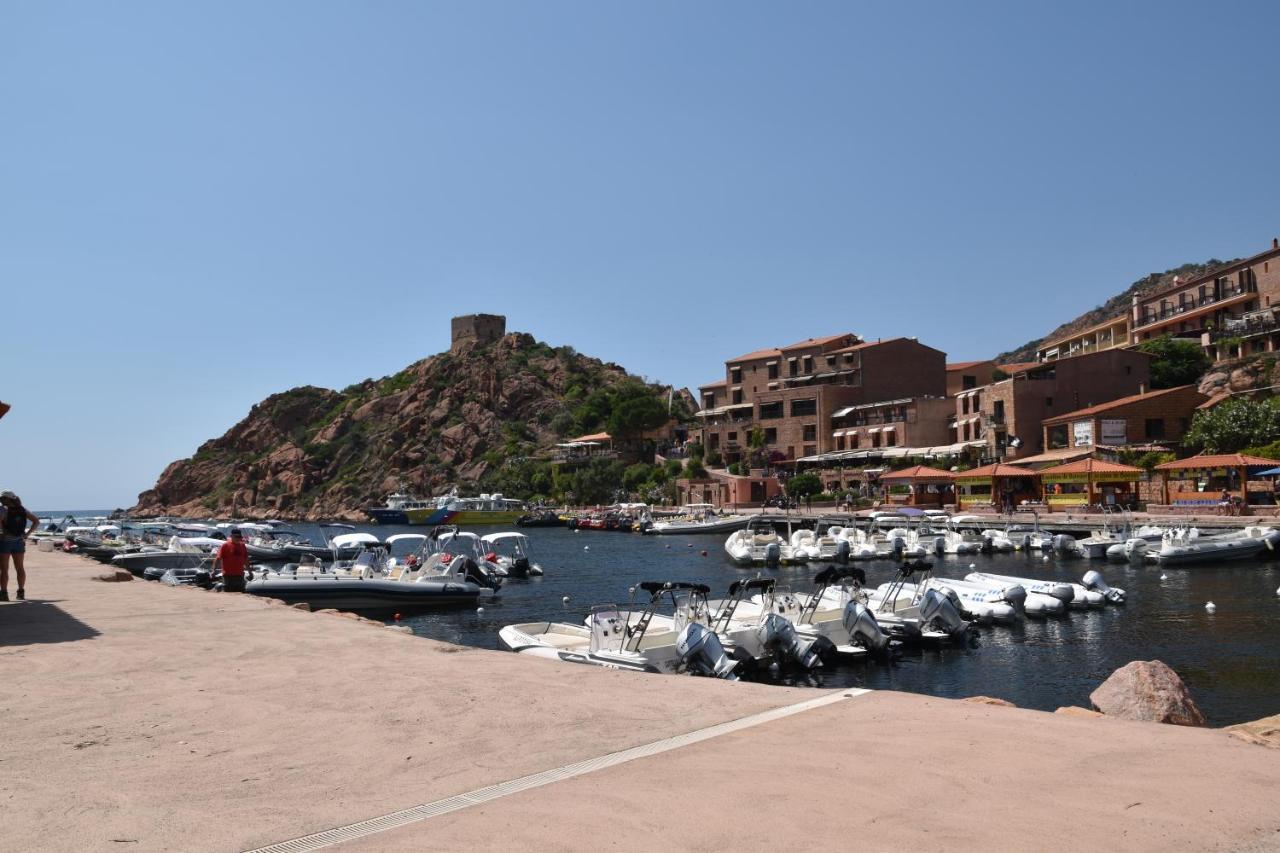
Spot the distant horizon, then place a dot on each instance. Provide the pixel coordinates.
(209, 203)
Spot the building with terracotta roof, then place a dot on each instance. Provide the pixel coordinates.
(1141, 418)
(1231, 311)
(791, 393)
(1008, 414)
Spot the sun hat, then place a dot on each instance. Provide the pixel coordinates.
(8, 494)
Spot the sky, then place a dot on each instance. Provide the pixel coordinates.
(205, 203)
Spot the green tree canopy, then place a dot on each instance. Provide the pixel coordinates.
(1175, 361)
(1235, 425)
(803, 485)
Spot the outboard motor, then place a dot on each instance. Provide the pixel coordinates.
(1094, 581)
(1136, 549)
(204, 579)
(778, 634)
(520, 566)
(1065, 545)
(701, 652)
(937, 611)
(472, 572)
(939, 546)
(988, 543)
(842, 551)
(772, 555)
(863, 628)
(899, 545)
(1272, 540)
(1016, 595)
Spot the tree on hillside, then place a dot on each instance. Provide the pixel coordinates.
(802, 486)
(1235, 425)
(1175, 361)
(635, 410)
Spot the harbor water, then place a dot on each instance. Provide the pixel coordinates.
(1230, 659)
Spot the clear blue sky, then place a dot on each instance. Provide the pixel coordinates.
(205, 203)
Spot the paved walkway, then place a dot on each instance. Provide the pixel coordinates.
(141, 717)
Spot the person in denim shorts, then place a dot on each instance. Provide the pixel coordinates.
(13, 541)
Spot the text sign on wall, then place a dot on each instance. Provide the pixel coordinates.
(1114, 431)
(1082, 433)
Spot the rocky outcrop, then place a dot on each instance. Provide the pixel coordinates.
(1074, 711)
(1259, 373)
(1148, 691)
(313, 453)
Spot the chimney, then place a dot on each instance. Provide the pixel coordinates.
(1275, 242)
(1142, 387)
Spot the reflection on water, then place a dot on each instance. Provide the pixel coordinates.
(1228, 659)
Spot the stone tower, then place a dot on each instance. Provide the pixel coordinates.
(476, 329)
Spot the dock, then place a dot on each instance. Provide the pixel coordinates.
(141, 717)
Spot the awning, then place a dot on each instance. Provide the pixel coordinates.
(873, 429)
(890, 429)
(837, 433)
(771, 363)
(840, 413)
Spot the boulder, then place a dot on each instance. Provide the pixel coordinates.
(301, 605)
(1264, 732)
(401, 629)
(118, 576)
(1149, 691)
(989, 700)
(1074, 711)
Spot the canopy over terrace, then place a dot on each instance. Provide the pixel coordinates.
(1201, 480)
(999, 485)
(919, 485)
(1078, 483)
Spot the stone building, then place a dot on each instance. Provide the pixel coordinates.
(963, 375)
(476, 329)
(1231, 312)
(1008, 414)
(792, 393)
(1153, 417)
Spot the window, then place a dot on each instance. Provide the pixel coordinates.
(792, 367)
(1048, 402)
(890, 438)
(735, 375)
(770, 435)
(967, 382)
(810, 433)
(803, 408)
(853, 441)
(715, 440)
(809, 449)
(737, 396)
(708, 401)
(1184, 424)
(1155, 427)
(773, 370)
(875, 439)
(964, 405)
(839, 442)
(808, 364)
(831, 361)
(771, 411)
(848, 359)
(1128, 369)
(997, 408)
(733, 436)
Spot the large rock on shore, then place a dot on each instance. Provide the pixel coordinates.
(1147, 690)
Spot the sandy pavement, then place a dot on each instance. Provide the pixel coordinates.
(141, 717)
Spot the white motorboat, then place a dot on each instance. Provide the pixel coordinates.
(759, 544)
(1185, 546)
(754, 623)
(982, 603)
(181, 553)
(916, 614)
(612, 640)
(509, 550)
(697, 518)
(952, 541)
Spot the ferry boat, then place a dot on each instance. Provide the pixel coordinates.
(452, 509)
(396, 508)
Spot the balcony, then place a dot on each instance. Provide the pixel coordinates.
(1152, 317)
(1248, 325)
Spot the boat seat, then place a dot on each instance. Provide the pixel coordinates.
(764, 539)
(565, 641)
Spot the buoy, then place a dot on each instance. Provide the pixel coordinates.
(630, 591)
(479, 610)
(1278, 590)
(1211, 607)
(1164, 577)
(704, 553)
(566, 599)
(1046, 558)
(688, 545)
(668, 547)
(586, 547)
(397, 617)
(973, 565)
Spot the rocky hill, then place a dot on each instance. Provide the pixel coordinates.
(453, 418)
(1116, 305)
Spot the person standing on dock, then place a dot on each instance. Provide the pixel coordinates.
(13, 541)
(233, 557)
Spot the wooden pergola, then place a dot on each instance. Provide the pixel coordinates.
(920, 478)
(1061, 483)
(1211, 475)
(1002, 480)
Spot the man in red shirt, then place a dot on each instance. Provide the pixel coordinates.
(233, 557)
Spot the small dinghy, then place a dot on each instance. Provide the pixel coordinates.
(1071, 594)
(1185, 546)
(982, 603)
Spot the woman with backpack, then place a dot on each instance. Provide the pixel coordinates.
(13, 541)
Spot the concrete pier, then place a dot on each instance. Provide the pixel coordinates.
(142, 717)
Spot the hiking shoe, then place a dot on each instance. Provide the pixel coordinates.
(22, 594)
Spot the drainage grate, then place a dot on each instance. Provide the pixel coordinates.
(488, 793)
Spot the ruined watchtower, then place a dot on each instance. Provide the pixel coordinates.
(476, 329)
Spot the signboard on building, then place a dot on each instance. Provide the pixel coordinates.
(1082, 433)
(1115, 431)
